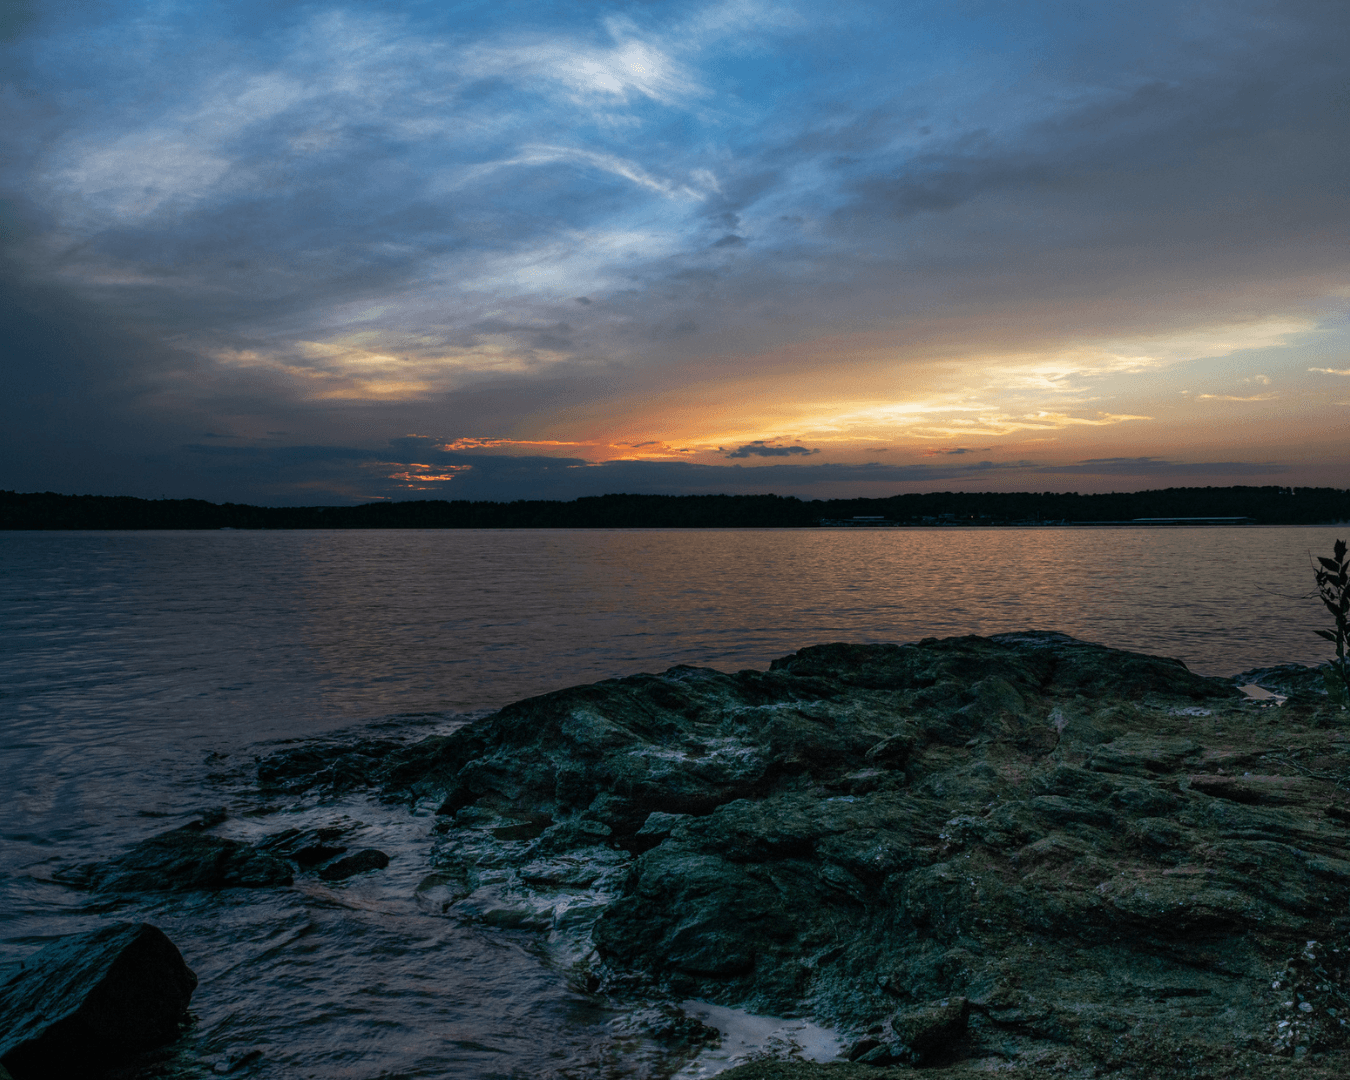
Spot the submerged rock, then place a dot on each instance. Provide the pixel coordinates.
(1094, 857)
(368, 859)
(183, 860)
(88, 1002)
(308, 848)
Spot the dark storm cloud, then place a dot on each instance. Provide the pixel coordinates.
(760, 448)
(76, 390)
(956, 451)
(497, 476)
(678, 477)
(298, 474)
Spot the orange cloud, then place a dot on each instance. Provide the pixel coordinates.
(471, 443)
(415, 478)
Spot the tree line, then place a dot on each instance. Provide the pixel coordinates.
(1259, 505)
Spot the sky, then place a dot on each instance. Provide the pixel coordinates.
(318, 253)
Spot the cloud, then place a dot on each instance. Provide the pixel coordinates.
(630, 66)
(424, 478)
(419, 467)
(607, 163)
(760, 448)
(534, 220)
(473, 443)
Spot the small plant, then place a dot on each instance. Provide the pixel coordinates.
(1333, 589)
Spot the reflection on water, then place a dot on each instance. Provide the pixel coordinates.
(274, 629)
(140, 671)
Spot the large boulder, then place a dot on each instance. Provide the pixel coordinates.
(88, 1002)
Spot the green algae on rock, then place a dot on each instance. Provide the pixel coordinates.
(1107, 858)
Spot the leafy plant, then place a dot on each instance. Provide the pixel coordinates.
(1333, 589)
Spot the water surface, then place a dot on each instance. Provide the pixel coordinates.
(142, 673)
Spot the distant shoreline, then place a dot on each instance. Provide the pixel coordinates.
(1168, 508)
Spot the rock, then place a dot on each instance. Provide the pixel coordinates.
(308, 847)
(314, 854)
(334, 768)
(183, 860)
(771, 1069)
(1294, 681)
(919, 1035)
(88, 1002)
(1094, 857)
(367, 859)
(659, 825)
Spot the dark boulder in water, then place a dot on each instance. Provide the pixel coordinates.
(183, 860)
(89, 1002)
(368, 859)
(307, 847)
(1101, 861)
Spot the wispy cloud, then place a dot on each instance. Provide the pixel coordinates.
(607, 163)
(470, 443)
(629, 65)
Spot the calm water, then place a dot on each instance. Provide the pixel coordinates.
(140, 673)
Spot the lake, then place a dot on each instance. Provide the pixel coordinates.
(142, 673)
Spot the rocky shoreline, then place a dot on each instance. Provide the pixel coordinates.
(1112, 863)
(1025, 854)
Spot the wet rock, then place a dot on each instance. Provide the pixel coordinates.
(89, 1002)
(331, 767)
(237, 1060)
(308, 847)
(314, 854)
(1099, 851)
(367, 859)
(1293, 681)
(183, 860)
(207, 819)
